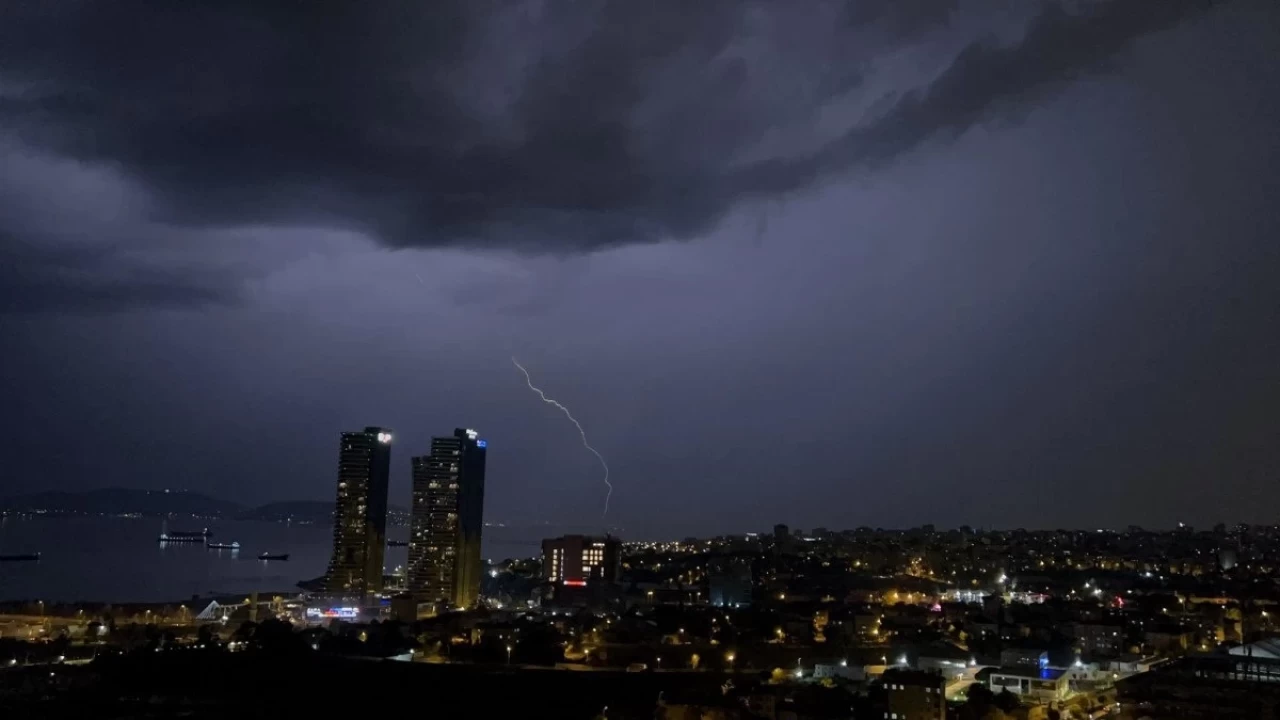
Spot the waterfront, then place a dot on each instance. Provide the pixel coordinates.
(119, 560)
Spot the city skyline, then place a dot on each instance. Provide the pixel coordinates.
(846, 625)
(841, 359)
(875, 263)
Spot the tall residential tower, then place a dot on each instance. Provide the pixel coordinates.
(360, 513)
(448, 516)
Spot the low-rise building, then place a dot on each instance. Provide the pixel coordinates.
(839, 670)
(1098, 638)
(1204, 687)
(1024, 657)
(1167, 639)
(1038, 684)
(576, 560)
(914, 695)
(729, 582)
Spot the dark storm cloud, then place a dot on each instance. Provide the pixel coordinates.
(987, 81)
(901, 18)
(618, 123)
(43, 279)
(71, 239)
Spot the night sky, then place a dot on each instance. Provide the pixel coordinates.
(874, 262)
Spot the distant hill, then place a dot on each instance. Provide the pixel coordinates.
(120, 501)
(301, 511)
(111, 502)
(318, 512)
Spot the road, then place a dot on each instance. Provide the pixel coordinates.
(961, 685)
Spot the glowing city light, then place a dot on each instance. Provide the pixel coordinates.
(334, 612)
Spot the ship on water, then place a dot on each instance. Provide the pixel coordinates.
(184, 536)
(273, 556)
(223, 546)
(21, 557)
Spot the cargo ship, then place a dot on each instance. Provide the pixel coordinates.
(23, 557)
(223, 546)
(181, 538)
(273, 556)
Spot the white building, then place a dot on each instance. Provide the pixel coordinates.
(1039, 684)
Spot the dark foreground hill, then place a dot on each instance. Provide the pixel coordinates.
(247, 685)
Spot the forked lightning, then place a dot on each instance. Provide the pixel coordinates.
(577, 424)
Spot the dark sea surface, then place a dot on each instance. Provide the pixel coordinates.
(120, 560)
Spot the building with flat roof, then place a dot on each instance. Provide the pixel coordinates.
(914, 694)
(1204, 687)
(1042, 684)
(446, 520)
(1268, 648)
(360, 513)
(729, 582)
(576, 560)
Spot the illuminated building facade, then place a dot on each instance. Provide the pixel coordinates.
(729, 582)
(578, 559)
(447, 519)
(1040, 683)
(914, 695)
(360, 513)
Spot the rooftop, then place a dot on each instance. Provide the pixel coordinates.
(1031, 672)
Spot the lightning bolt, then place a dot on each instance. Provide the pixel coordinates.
(529, 381)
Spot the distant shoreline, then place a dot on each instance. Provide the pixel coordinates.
(169, 504)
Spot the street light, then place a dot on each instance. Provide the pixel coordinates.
(508, 654)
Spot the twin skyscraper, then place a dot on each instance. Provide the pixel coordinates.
(447, 516)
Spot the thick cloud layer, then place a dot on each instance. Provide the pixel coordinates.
(554, 127)
(876, 262)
